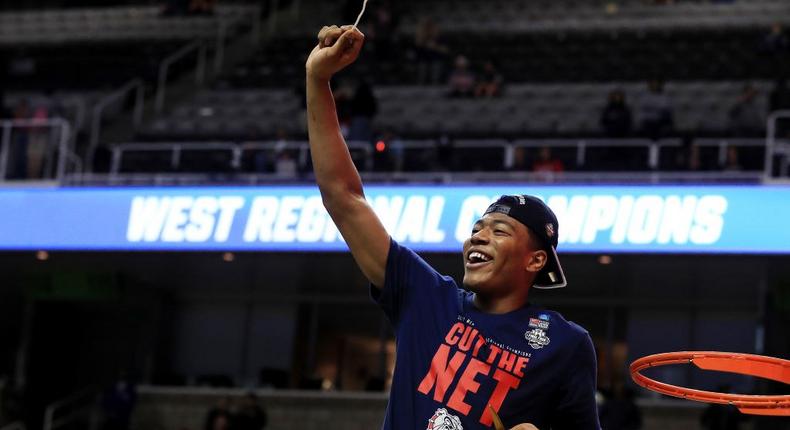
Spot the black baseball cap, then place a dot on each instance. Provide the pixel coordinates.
(541, 221)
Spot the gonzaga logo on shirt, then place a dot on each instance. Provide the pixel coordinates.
(443, 420)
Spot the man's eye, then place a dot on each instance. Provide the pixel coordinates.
(500, 231)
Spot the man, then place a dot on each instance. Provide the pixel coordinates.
(460, 353)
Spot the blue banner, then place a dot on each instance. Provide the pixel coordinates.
(611, 219)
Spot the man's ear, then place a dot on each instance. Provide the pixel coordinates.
(536, 261)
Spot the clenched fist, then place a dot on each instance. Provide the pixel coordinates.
(337, 48)
(524, 427)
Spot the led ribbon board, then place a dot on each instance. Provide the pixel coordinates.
(612, 219)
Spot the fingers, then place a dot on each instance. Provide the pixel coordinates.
(524, 427)
(329, 34)
(350, 37)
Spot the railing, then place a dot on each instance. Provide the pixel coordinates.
(81, 404)
(235, 150)
(116, 96)
(582, 146)
(364, 153)
(773, 147)
(164, 67)
(61, 142)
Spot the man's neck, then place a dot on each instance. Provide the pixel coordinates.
(499, 305)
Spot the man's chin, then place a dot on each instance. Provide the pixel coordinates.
(473, 285)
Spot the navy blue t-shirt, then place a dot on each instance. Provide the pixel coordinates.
(530, 365)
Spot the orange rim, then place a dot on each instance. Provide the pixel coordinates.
(760, 366)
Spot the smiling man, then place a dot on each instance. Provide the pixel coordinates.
(461, 352)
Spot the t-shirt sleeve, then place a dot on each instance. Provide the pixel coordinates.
(407, 278)
(577, 409)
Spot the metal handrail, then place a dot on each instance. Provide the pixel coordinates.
(164, 67)
(653, 146)
(83, 401)
(438, 177)
(63, 142)
(771, 141)
(175, 148)
(237, 150)
(136, 85)
(724, 143)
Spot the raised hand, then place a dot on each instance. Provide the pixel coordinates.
(524, 427)
(337, 48)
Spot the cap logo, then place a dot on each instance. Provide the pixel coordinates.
(550, 230)
(521, 200)
(499, 208)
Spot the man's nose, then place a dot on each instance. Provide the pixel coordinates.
(480, 237)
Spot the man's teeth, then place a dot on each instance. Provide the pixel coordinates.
(478, 256)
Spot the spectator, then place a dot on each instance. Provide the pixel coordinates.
(775, 40)
(546, 163)
(390, 153)
(731, 164)
(363, 109)
(462, 80)
(519, 162)
(202, 7)
(38, 143)
(490, 83)
(219, 411)
(383, 29)
(301, 95)
(694, 162)
(430, 52)
(21, 139)
(746, 118)
(250, 416)
(285, 163)
(221, 422)
(343, 91)
(656, 111)
(117, 404)
(620, 412)
(616, 119)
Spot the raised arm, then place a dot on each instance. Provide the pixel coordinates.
(336, 175)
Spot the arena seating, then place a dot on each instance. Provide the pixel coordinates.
(544, 15)
(425, 111)
(548, 57)
(113, 23)
(68, 59)
(557, 75)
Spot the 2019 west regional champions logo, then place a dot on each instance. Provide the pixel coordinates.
(537, 336)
